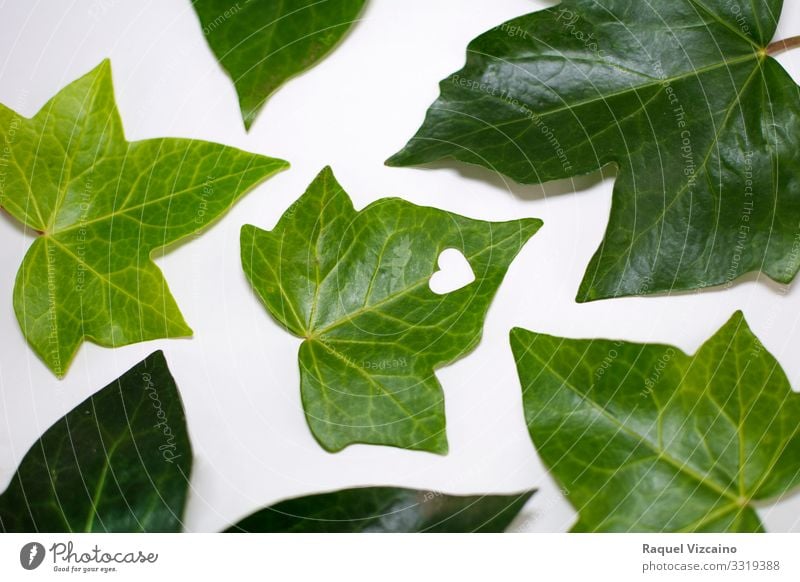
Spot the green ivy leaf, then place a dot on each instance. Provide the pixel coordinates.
(262, 43)
(386, 510)
(354, 286)
(646, 438)
(121, 460)
(118, 462)
(102, 206)
(679, 94)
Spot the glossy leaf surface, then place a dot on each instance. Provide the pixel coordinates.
(680, 95)
(118, 462)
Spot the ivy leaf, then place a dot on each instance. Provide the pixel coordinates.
(118, 462)
(262, 43)
(645, 438)
(354, 286)
(386, 510)
(102, 206)
(680, 95)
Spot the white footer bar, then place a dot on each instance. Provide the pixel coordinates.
(386, 558)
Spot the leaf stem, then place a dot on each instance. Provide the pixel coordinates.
(780, 46)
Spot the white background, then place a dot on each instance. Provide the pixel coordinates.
(238, 376)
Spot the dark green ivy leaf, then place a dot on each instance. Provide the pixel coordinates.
(354, 286)
(118, 462)
(681, 95)
(262, 43)
(102, 206)
(647, 439)
(386, 510)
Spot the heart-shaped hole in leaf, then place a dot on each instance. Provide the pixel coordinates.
(454, 272)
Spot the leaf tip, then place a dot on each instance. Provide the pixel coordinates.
(326, 172)
(587, 293)
(738, 322)
(516, 335)
(396, 160)
(157, 357)
(58, 364)
(247, 235)
(251, 105)
(102, 70)
(249, 118)
(438, 447)
(515, 332)
(275, 164)
(531, 225)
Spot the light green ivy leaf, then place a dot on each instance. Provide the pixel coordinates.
(101, 206)
(355, 287)
(262, 43)
(644, 438)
